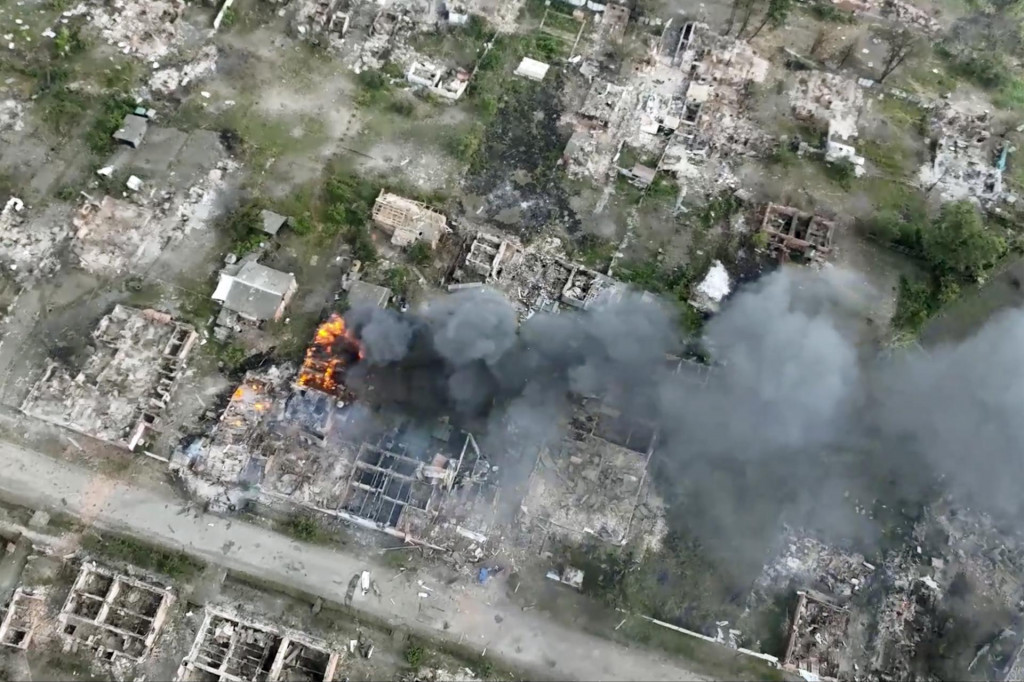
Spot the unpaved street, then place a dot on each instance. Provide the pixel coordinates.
(476, 615)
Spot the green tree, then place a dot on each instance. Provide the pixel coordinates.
(959, 243)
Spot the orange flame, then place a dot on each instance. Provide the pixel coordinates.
(324, 357)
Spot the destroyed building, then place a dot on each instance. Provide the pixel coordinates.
(816, 637)
(114, 615)
(290, 441)
(29, 239)
(231, 648)
(20, 617)
(253, 292)
(408, 222)
(589, 484)
(532, 281)
(447, 82)
(683, 106)
(967, 162)
(125, 382)
(793, 233)
(323, 22)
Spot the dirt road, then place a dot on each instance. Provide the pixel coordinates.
(475, 615)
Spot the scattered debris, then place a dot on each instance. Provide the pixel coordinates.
(124, 384)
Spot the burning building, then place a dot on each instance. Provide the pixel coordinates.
(332, 351)
(305, 443)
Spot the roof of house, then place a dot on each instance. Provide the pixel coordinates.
(255, 292)
(362, 294)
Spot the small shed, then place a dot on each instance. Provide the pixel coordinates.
(272, 222)
(532, 69)
(256, 293)
(132, 130)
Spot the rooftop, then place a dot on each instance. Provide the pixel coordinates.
(256, 292)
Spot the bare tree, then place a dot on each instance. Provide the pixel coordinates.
(846, 54)
(902, 43)
(750, 7)
(776, 14)
(820, 39)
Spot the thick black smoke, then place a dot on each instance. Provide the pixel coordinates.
(799, 415)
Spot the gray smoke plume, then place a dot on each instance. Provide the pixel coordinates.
(959, 406)
(799, 411)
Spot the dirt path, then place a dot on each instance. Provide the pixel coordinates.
(475, 615)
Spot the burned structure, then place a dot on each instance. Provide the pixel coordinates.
(300, 441)
(816, 635)
(590, 482)
(793, 233)
(681, 108)
(323, 22)
(447, 82)
(21, 617)
(124, 384)
(533, 281)
(967, 162)
(408, 222)
(114, 615)
(230, 648)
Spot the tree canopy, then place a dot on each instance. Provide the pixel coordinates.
(958, 242)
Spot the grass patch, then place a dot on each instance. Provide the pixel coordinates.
(888, 158)
(460, 45)
(594, 252)
(1011, 95)
(563, 23)
(414, 654)
(841, 172)
(903, 114)
(174, 565)
(826, 11)
(112, 111)
(307, 528)
(662, 189)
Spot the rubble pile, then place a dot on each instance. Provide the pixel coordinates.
(903, 620)
(441, 675)
(991, 558)
(906, 13)
(166, 81)
(114, 236)
(200, 203)
(29, 242)
(390, 32)
(828, 98)
(811, 563)
(967, 163)
(11, 116)
(150, 30)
